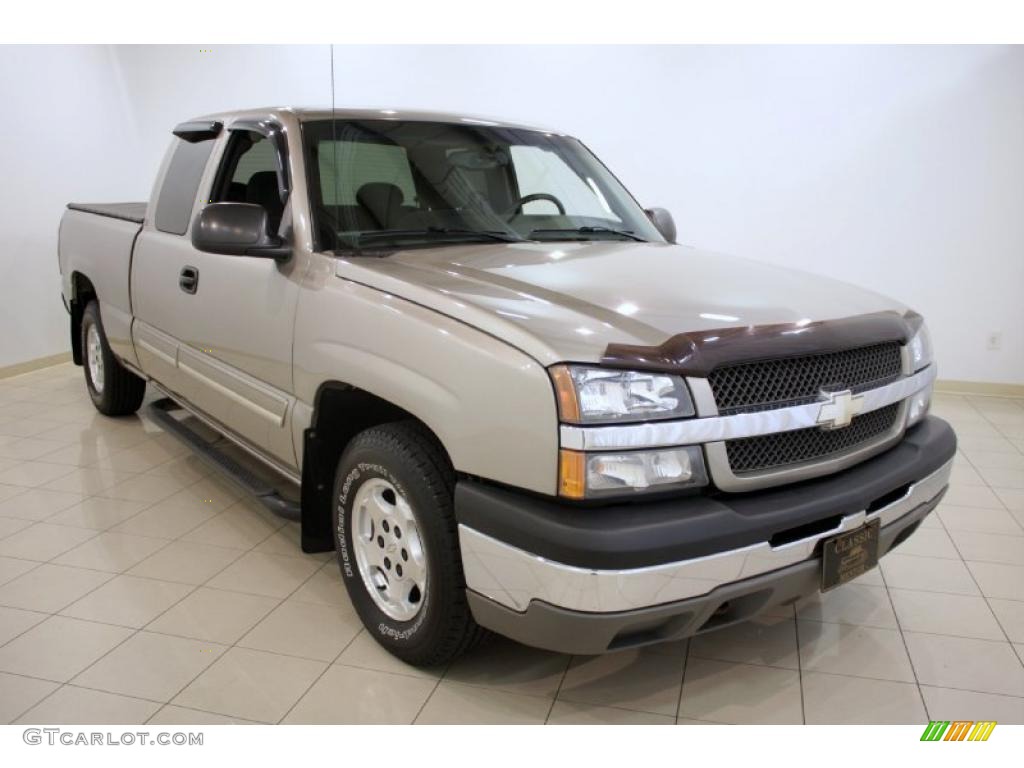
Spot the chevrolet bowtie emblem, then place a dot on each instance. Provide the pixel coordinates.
(839, 409)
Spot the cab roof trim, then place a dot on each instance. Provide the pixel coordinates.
(304, 114)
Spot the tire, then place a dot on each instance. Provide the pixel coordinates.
(381, 468)
(115, 391)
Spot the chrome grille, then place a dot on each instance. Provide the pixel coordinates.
(789, 381)
(765, 452)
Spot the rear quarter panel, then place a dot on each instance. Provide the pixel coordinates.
(100, 248)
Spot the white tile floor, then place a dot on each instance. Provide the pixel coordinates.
(136, 587)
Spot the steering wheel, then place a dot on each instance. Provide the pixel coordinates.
(518, 207)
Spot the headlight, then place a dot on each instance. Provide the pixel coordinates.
(920, 349)
(605, 396)
(593, 475)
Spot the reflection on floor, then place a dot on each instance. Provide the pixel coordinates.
(135, 587)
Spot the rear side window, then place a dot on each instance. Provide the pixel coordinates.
(181, 184)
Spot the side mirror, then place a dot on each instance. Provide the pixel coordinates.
(236, 229)
(662, 221)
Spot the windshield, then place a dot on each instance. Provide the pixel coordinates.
(386, 184)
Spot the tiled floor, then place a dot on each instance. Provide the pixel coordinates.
(135, 587)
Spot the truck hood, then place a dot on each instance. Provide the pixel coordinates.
(569, 301)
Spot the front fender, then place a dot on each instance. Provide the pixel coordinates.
(491, 406)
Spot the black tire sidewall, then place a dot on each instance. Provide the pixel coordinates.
(359, 464)
(90, 317)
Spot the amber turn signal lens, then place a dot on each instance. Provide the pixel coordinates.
(565, 391)
(571, 480)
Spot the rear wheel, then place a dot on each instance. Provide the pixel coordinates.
(115, 391)
(394, 526)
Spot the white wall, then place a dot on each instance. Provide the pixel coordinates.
(896, 168)
(91, 123)
(64, 137)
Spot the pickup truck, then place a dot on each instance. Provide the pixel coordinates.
(480, 372)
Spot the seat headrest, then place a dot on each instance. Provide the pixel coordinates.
(262, 189)
(382, 200)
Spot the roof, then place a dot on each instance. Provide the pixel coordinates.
(380, 113)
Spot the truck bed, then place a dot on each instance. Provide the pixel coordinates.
(134, 212)
(96, 241)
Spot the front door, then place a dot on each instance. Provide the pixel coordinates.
(230, 317)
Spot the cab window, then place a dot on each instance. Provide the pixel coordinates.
(248, 174)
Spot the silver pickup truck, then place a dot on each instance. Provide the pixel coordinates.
(494, 385)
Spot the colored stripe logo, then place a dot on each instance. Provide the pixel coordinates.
(958, 730)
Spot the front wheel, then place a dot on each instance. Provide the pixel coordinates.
(114, 390)
(394, 526)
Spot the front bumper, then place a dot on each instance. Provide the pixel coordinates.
(591, 580)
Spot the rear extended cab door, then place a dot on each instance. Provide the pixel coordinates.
(215, 329)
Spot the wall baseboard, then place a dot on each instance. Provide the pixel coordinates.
(991, 389)
(34, 365)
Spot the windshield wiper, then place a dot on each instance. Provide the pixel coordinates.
(438, 233)
(626, 233)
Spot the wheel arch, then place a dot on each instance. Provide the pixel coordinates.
(340, 412)
(82, 292)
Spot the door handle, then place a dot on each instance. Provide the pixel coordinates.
(188, 280)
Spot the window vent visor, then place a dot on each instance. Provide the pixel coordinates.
(200, 130)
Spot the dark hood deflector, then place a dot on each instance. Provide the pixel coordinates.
(697, 354)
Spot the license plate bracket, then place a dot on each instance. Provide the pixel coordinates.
(848, 555)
